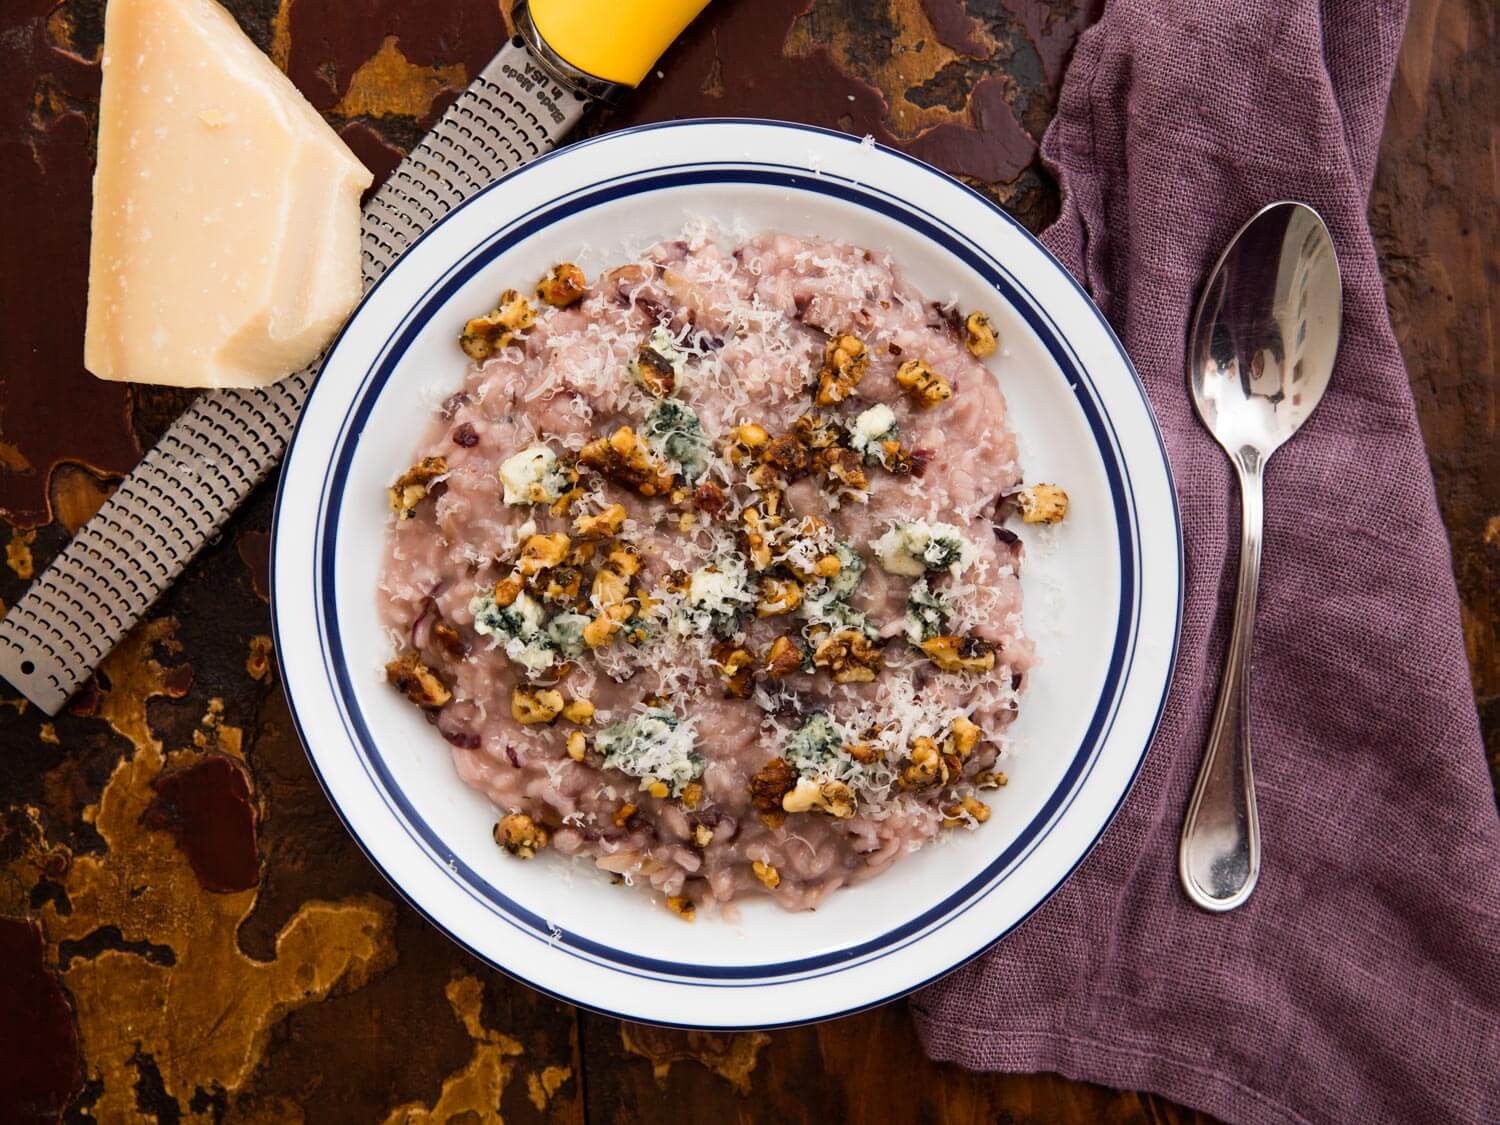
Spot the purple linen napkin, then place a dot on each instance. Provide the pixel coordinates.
(1362, 980)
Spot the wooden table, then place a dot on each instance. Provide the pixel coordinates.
(185, 928)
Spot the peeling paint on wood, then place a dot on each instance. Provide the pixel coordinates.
(388, 85)
(473, 1092)
(732, 1056)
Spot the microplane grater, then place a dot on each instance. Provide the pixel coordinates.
(186, 487)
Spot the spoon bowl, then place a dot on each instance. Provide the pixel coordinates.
(1260, 356)
(1266, 330)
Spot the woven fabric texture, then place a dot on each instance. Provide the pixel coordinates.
(1361, 982)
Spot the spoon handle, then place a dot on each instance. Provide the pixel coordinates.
(1219, 860)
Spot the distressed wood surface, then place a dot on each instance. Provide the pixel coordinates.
(185, 928)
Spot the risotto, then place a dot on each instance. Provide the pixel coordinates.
(703, 573)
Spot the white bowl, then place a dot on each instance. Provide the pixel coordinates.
(1103, 590)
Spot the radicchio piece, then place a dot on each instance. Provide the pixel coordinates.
(945, 316)
(463, 739)
(466, 436)
(709, 498)
(452, 403)
(421, 628)
(653, 309)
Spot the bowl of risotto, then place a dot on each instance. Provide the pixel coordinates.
(727, 574)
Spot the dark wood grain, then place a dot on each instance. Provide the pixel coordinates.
(166, 833)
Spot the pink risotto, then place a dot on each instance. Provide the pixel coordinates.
(702, 575)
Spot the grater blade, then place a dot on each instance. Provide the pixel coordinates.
(228, 441)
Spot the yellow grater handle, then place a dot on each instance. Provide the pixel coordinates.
(615, 40)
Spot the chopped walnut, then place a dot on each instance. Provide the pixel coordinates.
(507, 590)
(863, 752)
(765, 478)
(897, 460)
(654, 371)
(577, 745)
(766, 874)
(960, 654)
(1043, 503)
(736, 664)
(817, 432)
(529, 706)
(564, 503)
(969, 810)
(602, 629)
(411, 486)
(756, 543)
(963, 736)
(448, 637)
(624, 560)
(521, 836)
(563, 585)
(991, 779)
(702, 835)
(419, 683)
(622, 458)
(843, 471)
(564, 285)
(682, 906)
(844, 361)
(745, 441)
(540, 552)
(579, 711)
(485, 335)
(778, 596)
(691, 794)
(850, 655)
(922, 384)
(926, 766)
(979, 335)
(787, 455)
(784, 658)
(610, 587)
(771, 783)
(605, 525)
(823, 795)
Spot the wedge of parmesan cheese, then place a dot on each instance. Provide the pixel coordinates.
(226, 211)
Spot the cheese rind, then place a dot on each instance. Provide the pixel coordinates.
(225, 246)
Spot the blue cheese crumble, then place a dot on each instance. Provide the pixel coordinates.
(927, 613)
(913, 549)
(533, 476)
(654, 745)
(826, 602)
(812, 747)
(717, 596)
(851, 570)
(519, 627)
(524, 632)
(565, 631)
(673, 432)
(873, 426)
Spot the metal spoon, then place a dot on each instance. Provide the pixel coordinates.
(1260, 357)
